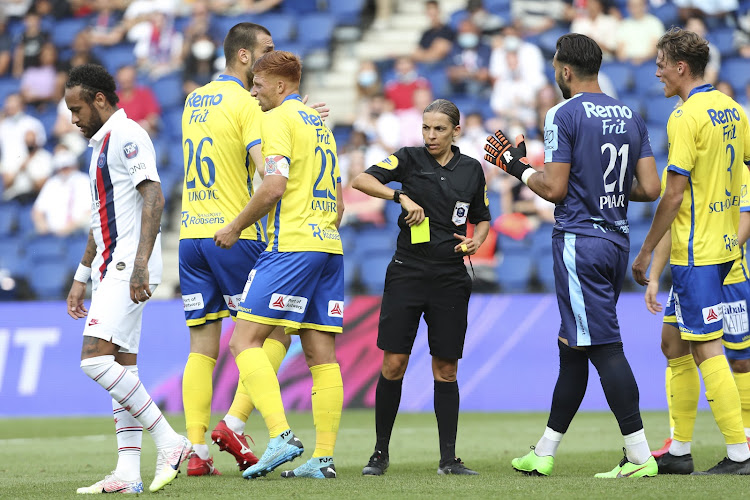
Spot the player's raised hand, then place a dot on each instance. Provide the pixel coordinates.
(500, 152)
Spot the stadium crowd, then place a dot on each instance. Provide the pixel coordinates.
(491, 58)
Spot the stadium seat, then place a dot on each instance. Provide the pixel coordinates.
(171, 120)
(48, 117)
(346, 12)
(8, 218)
(25, 225)
(659, 111)
(373, 242)
(351, 272)
(621, 75)
(8, 86)
(66, 30)
(545, 272)
(723, 40)
(498, 7)
(668, 13)
(506, 244)
(116, 56)
(10, 255)
(168, 91)
(44, 248)
(372, 273)
(300, 7)
(75, 244)
(633, 101)
(514, 271)
(547, 41)
(645, 81)
(315, 31)
(49, 280)
(392, 213)
(736, 71)
(282, 26)
(658, 138)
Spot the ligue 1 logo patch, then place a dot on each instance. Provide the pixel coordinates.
(102, 160)
(131, 150)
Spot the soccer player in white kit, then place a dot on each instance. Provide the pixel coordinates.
(123, 258)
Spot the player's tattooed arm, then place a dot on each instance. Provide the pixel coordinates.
(90, 252)
(153, 205)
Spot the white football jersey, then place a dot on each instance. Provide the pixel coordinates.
(123, 157)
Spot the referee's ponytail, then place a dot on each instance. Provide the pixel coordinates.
(447, 108)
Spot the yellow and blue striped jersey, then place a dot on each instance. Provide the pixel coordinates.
(220, 123)
(709, 138)
(305, 217)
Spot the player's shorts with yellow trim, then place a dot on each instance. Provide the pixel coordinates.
(698, 305)
(297, 290)
(669, 316)
(736, 337)
(212, 278)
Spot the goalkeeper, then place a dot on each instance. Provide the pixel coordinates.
(597, 158)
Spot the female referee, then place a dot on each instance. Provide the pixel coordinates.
(441, 190)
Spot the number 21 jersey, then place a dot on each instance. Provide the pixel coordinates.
(602, 139)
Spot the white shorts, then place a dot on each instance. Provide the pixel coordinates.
(114, 317)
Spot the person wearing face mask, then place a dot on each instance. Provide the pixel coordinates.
(368, 80)
(441, 191)
(63, 206)
(199, 63)
(468, 71)
(400, 89)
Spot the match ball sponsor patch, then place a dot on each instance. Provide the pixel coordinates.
(336, 308)
(713, 314)
(233, 301)
(291, 303)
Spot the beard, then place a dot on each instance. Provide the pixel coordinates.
(94, 124)
(565, 89)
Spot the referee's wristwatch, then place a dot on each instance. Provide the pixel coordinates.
(397, 195)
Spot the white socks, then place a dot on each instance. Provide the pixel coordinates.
(547, 445)
(201, 450)
(235, 424)
(738, 452)
(636, 447)
(127, 390)
(680, 448)
(129, 435)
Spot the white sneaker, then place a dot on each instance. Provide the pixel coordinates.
(112, 484)
(168, 463)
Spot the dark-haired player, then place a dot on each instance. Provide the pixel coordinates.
(597, 158)
(123, 256)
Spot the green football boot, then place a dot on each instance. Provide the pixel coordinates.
(532, 464)
(627, 469)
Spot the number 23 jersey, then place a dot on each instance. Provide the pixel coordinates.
(602, 139)
(304, 220)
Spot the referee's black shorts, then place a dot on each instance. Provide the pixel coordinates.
(440, 291)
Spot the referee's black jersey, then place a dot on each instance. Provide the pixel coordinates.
(449, 195)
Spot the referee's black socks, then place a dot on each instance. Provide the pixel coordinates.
(446, 413)
(387, 401)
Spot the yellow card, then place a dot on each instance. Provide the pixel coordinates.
(420, 233)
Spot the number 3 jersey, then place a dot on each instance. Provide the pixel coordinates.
(602, 139)
(304, 220)
(709, 138)
(220, 123)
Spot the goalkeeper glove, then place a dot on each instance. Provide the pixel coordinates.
(500, 152)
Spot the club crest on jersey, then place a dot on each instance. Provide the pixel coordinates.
(131, 150)
(102, 160)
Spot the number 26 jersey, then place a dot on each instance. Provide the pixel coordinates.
(602, 139)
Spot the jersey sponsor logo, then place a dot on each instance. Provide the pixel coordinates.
(233, 301)
(311, 119)
(200, 219)
(196, 100)
(730, 242)
(137, 167)
(735, 317)
(718, 206)
(610, 111)
(291, 303)
(713, 314)
(460, 213)
(389, 163)
(324, 234)
(130, 150)
(723, 116)
(193, 301)
(336, 308)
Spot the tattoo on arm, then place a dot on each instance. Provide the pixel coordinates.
(90, 252)
(153, 204)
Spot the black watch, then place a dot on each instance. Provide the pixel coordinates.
(397, 195)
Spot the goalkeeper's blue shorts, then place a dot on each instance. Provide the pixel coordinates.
(589, 273)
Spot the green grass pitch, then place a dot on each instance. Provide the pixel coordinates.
(50, 458)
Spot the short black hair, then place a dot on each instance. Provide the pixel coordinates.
(581, 52)
(93, 78)
(242, 36)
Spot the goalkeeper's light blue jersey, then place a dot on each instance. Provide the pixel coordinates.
(602, 139)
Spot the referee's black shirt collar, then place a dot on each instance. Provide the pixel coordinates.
(451, 165)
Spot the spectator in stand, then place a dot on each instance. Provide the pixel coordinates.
(725, 88)
(468, 70)
(199, 63)
(158, 48)
(39, 84)
(705, 8)
(81, 55)
(60, 9)
(595, 23)
(30, 45)
(487, 22)
(471, 143)
(437, 41)
(67, 134)
(239, 7)
(106, 25)
(410, 120)
(378, 122)
(532, 17)
(637, 35)
(697, 25)
(23, 179)
(63, 206)
(361, 210)
(532, 68)
(14, 123)
(368, 80)
(15, 8)
(400, 89)
(201, 23)
(138, 101)
(512, 94)
(6, 46)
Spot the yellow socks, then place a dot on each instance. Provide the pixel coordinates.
(259, 378)
(327, 401)
(685, 388)
(197, 389)
(743, 387)
(668, 390)
(242, 404)
(722, 395)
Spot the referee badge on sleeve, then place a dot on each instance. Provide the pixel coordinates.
(460, 212)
